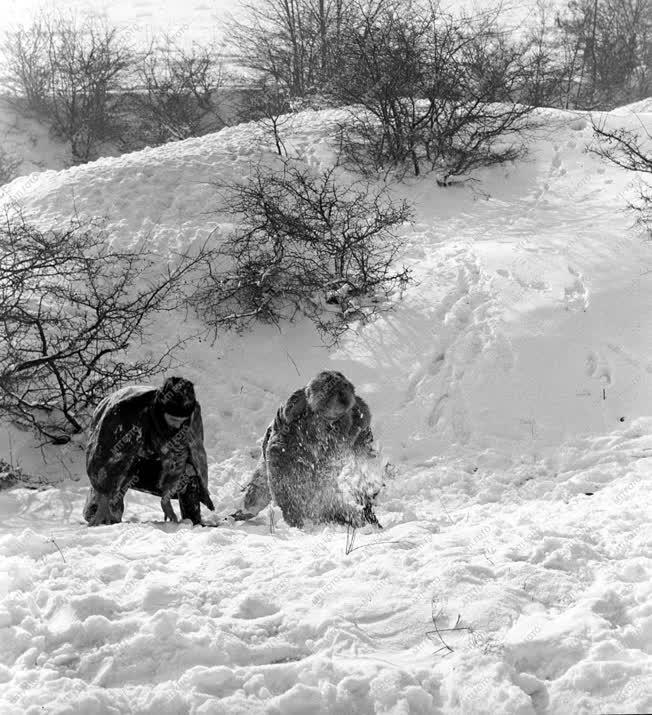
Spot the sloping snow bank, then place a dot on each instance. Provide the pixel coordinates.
(513, 380)
(525, 324)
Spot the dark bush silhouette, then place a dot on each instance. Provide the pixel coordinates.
(71, 74)
(631, 151)
(430, 92)
(70, 306)
(306, 246)
(268, 103)
(177, 94)
(9, 165)
(295, 44)
(609, 45)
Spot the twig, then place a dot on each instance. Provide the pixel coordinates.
(57, 545)
(294, 363)
(438, 631)
(11, 449)
(350, 539)
(373, 543)
(443, 506)
(272, 525)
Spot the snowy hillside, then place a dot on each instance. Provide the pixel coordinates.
(514, 380)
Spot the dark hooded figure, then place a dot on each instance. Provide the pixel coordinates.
(314, 433)
(152, 440)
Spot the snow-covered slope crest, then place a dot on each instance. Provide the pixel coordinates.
(511, 389)
(166, 192)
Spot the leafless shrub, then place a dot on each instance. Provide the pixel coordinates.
(306, 246)
(631, 151)
(9, 164)
(27, 72)
(430, 92)
(546, 66)
(9, 474)
(293, 43)
(70, 73)
(70, 306)
(176, 95)
(610, 45)
(268, 103)
(12, 475)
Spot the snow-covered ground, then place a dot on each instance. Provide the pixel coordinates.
(511, 390)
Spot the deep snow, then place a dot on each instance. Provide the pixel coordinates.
(514, 378)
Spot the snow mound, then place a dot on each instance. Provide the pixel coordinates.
(642, 106)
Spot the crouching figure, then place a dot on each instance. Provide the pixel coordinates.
(315, 433)
(152, 440)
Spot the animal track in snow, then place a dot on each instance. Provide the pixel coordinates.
(576, 296)
(538, 285)
(577, 125)
(436, 363)
(598, 368)
(462, 335)
(630, 359)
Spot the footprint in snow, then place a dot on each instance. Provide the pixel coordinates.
(591, 364)
(576, 296)
(598, 368)
(538, 285)
(578, 125)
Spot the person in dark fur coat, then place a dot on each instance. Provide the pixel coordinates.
(151, 440)
(313, 434)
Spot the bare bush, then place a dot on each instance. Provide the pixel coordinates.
(71, 73)
(547, 64)
(12, 475)
(430, 92)
(306, 246)
(70, 306)
(177, 93)
(9, 165)
(9, 474)
(293, 43)
(631, 151)
(269, 104)
(27, 71)
(610, 43)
